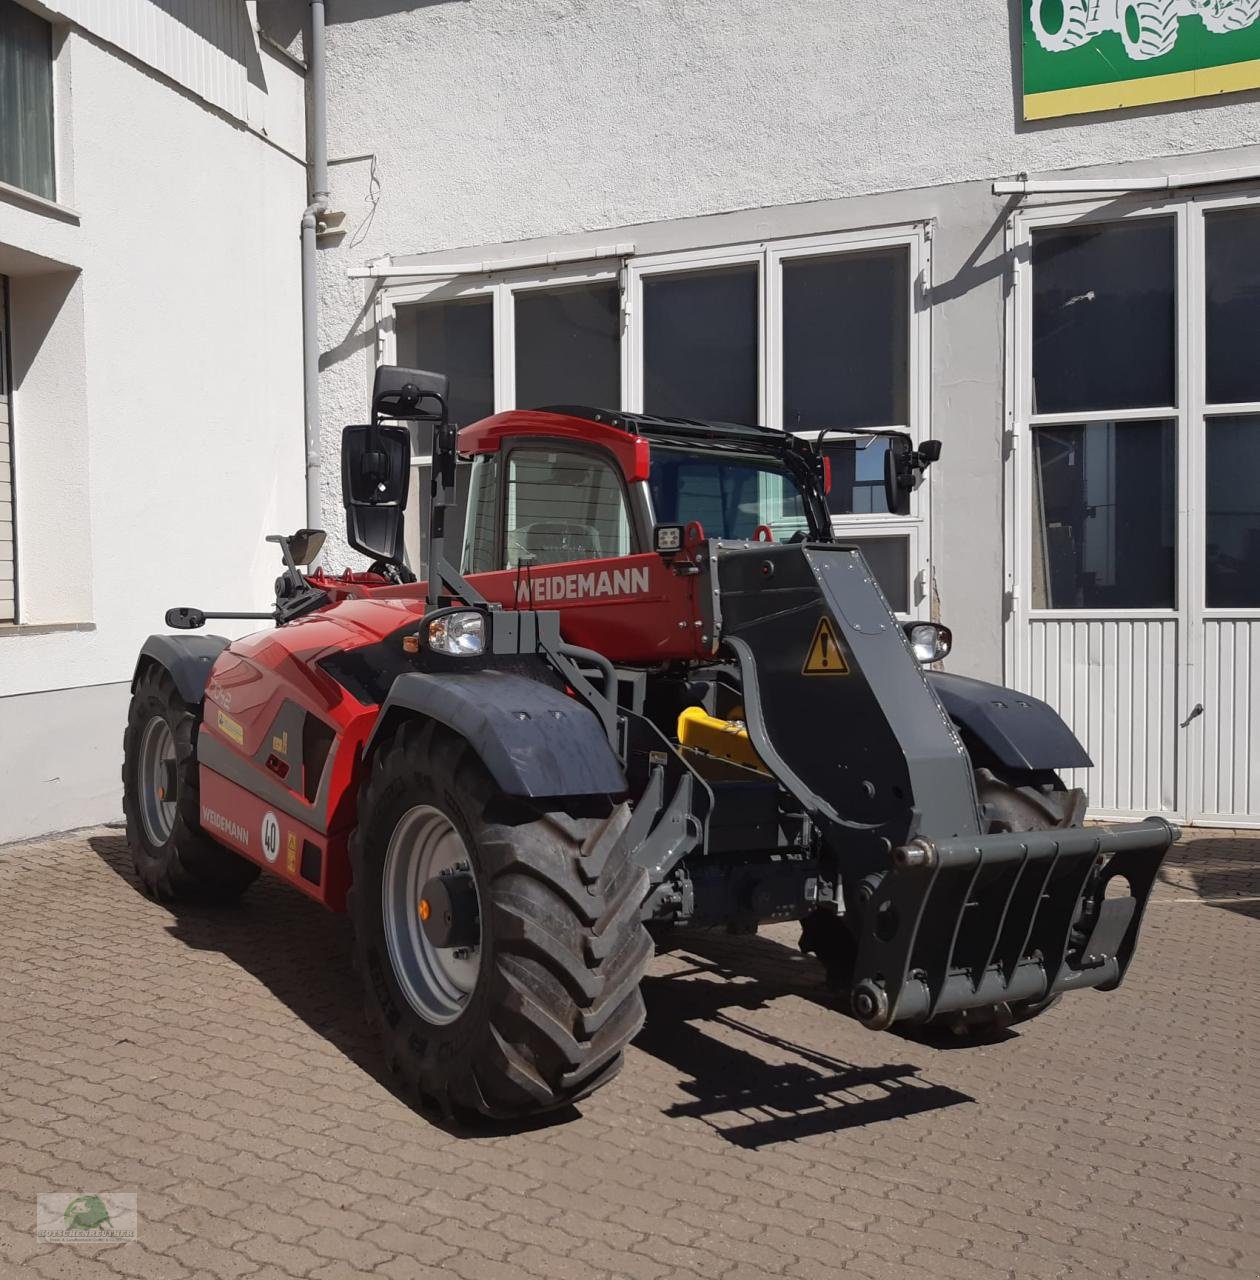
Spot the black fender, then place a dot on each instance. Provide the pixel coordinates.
(188, 659)
(535, 740)
(1018, 730)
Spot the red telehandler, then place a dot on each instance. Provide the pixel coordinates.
(655, 692)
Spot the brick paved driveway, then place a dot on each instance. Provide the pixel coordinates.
(214, 1062)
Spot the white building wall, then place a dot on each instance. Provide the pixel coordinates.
(157, 404)
(550, 122)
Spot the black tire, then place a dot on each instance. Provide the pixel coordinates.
(562, 951)
(187, 865)
(1014, 800)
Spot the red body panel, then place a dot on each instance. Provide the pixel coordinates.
(487, 436)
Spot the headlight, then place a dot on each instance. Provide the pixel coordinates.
(460, 635)
(929, 641)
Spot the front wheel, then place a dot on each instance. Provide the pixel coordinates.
(1014, 800)
(498, 942)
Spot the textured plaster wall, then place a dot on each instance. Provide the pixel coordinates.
(157, 408)
(496, 121)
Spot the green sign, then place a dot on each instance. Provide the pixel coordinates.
(1097, 55)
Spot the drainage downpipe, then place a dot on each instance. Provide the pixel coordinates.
(310, 284)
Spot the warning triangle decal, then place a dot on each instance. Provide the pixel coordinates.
(824, 657)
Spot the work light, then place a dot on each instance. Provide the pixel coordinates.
(929, 641)
(459, 635)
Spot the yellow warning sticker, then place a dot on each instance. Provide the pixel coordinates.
(229, 728)
(824, 657)
(290, 854)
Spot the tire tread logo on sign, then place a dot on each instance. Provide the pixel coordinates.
(271, 836)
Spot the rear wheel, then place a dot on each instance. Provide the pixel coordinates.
(498, 942)
(161, 800)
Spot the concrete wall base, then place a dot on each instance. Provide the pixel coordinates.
(60, 759)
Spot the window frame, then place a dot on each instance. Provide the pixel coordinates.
(768, 256)
(1200, 409)
(56, 34)
(1022, 422)
(9, 437)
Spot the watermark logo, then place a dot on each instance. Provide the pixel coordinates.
(73, 1217)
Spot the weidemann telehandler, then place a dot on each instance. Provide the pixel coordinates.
(657, 692)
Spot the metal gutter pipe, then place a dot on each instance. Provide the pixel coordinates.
(1026, 186)
(386, 269)
(318, 153)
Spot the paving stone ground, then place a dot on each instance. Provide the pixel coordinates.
(214, 1062)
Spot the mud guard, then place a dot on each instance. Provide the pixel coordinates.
(188, 659)
(534, 740)
(1020, 731)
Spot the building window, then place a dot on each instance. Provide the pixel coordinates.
(8, 560)
(1104, 492)
(700, 344)
(1231, 242)
(568, 345)
(454, 337)
(26, 101)
(826, 331)
(1103, 319)
(1104, 529)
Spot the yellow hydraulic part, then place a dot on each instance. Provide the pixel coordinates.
(725, 739)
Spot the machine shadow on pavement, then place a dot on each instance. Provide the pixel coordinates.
(752, 1086)
(301, 954)
(736, 1072)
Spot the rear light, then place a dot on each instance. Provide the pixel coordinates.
(826, 474)
(641, 468)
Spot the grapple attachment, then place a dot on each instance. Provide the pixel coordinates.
(938, 913)
(1006, 918)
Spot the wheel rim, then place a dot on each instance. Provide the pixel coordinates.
(437, 981)
(157, 781)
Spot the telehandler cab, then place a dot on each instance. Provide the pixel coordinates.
(657, 691)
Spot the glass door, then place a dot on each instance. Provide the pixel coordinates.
(1225, 731)
(1098, 458)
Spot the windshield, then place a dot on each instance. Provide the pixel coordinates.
(730, 494)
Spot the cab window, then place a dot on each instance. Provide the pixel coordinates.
(479, 555)
(730, 494)
(563, 505)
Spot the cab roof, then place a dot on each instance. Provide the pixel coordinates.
(627, 435)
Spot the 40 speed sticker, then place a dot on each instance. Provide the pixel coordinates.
(271, 837)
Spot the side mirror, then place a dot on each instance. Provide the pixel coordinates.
(375, 477)
(185, 618)
(904, 466)
(409, 395)
(899, 477)
(306, 544)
